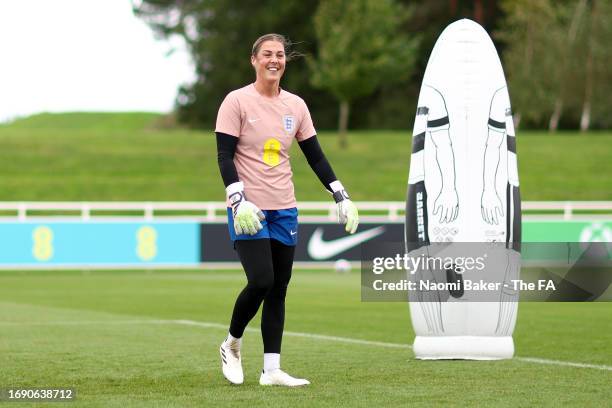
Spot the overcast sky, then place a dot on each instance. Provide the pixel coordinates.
(84, 55)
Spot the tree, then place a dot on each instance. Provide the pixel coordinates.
(566, 50)
(529, 32)
(219, 34)
(596, 101)
(360, 48)
(557, 58)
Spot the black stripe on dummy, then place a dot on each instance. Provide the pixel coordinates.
(516, 224)
(508, 215)
(418, 142)
(416, 217)
(511, 144)
(437, 122)
(498, 125)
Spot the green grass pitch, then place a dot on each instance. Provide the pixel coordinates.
(124, 157)
(138, 338)
(150, 338)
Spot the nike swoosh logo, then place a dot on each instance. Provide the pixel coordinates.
(319, 249)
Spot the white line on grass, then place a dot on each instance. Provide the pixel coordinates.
(85, 322)
(298, 334)
(287, 333)
(392, 345)
(563, 363)
(205, 324)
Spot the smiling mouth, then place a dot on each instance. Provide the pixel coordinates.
(273, 69)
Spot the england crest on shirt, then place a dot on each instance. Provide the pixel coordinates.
(288, 123)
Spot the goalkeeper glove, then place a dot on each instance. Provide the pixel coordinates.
(247, 217)
(347, 211)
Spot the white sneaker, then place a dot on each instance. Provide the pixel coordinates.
(231, 363)
(279, 377)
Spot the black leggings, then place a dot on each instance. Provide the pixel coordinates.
(267, 264)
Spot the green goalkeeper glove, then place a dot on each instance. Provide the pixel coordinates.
(347, 211)
(247, 217)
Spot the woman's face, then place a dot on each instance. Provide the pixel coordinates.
(269, 63)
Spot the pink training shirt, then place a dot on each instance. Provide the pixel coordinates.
(265, 128)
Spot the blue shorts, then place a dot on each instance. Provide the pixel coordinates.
(280, 225)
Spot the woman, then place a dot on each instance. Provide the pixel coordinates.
(255, 127)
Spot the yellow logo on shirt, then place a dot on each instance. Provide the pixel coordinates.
(271, 153)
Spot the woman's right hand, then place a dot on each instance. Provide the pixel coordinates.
(247, 218)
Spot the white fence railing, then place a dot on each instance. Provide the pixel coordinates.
(214, 211)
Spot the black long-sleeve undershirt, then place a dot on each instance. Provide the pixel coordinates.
(226, 148)
(317, 161)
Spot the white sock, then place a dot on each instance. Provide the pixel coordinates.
(231, 340)
(271, 361)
